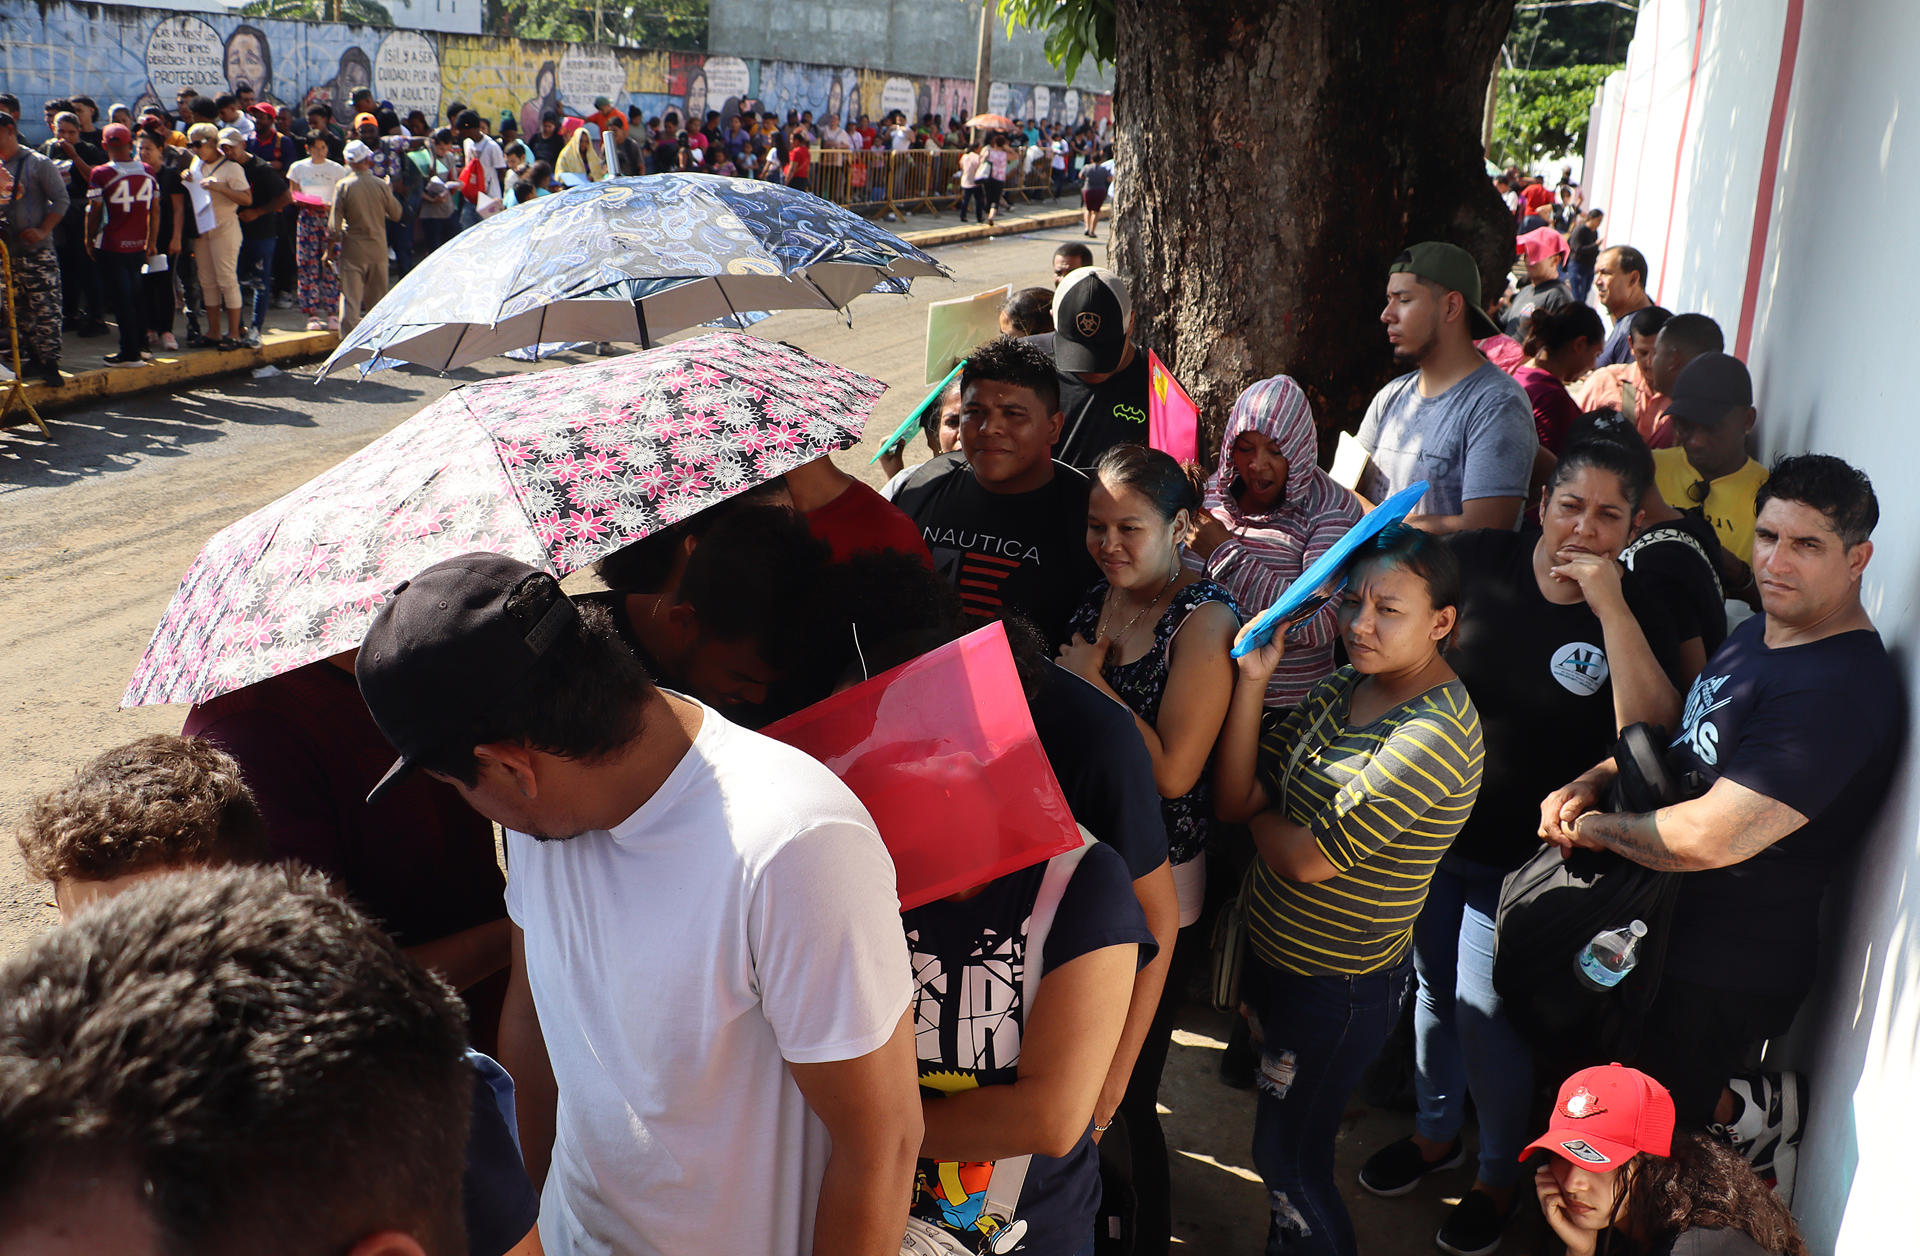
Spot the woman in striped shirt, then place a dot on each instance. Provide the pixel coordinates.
(1351, 799)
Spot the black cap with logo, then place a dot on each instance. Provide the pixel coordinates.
(445, 651)
(1090, 309)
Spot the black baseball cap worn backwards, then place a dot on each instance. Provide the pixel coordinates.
(444, 652)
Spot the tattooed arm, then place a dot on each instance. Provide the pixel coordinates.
(1727, 825)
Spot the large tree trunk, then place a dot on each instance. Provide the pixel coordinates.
(1272, 158)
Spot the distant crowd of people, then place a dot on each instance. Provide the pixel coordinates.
(722, 1034)
(228, 207)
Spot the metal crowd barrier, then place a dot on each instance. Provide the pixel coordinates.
(873, 181)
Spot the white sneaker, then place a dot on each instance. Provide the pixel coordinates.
(1767, 1131)
(251, 337)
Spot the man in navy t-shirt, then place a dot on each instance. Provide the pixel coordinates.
(1787, 744)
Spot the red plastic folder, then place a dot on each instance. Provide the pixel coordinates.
(942, 751)
(1173, 421)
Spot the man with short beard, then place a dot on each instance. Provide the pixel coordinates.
(705, 919)
(1456, 421)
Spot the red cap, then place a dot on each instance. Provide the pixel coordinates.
(117, 134)
(1605, 1115)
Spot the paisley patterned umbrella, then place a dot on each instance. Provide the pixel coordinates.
(630, 260)
(557, 468)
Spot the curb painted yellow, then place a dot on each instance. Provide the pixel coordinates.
(175, 370)
(1010, 226)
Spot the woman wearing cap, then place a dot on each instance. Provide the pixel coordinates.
(219, 175)
(1270, 513)
(1351, 800)
(1618, 1168)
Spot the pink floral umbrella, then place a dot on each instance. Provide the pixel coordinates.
(557, 468)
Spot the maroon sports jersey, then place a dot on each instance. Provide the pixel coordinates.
(127, 194)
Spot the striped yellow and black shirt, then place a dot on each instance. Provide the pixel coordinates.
(1384, 801)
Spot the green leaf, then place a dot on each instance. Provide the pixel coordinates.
(1076, 29)
(1544, 113)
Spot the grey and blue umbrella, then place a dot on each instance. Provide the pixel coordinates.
(628, 260)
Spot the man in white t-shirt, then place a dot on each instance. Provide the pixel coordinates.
(477, 145)
(707, 1016)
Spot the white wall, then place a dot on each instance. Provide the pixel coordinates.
(1815, 299)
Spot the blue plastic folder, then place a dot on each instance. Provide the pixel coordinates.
(905, 430)
(1327, 569)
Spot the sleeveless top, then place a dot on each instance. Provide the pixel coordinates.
(1142, 683)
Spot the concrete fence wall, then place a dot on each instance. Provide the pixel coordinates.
(1755, 150)
(937, 37)
(137, 55)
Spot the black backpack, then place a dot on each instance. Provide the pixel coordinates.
(1551, 907)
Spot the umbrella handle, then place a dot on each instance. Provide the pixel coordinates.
(640, 317)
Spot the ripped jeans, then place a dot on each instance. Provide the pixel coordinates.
(1317, 1035)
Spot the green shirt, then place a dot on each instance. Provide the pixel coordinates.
(1383, 802)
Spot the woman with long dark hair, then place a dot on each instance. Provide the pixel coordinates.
(1620, 1180)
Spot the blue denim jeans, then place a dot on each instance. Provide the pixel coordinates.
(1317, 1036)
(256, 279)
(1462, 1040)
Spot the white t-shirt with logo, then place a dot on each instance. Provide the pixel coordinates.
(743, 918)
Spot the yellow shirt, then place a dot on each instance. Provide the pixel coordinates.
(1729, 503)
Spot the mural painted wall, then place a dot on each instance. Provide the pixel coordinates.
(137, 56)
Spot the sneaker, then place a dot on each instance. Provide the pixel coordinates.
(316, 324)
(123, 359)
(47, 373)
(333, 324)
(283, 302)
(1474, 1226)
(1766, 1132)
(168, 343)
(250, 337)
(1398, 1167)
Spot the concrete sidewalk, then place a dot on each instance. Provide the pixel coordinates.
(285, 342)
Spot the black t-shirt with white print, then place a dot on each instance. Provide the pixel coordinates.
(1018, 551)
(969, 964)
(1539, 677)
(1676, 561)
(1816, 727)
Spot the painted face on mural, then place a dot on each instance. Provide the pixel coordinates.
(696, 97)
(247, 61)
(836, 95)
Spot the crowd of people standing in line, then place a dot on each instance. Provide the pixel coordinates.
(228, 208)
(794, 1064)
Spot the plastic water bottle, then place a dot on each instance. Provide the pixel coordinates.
(1610, 956)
